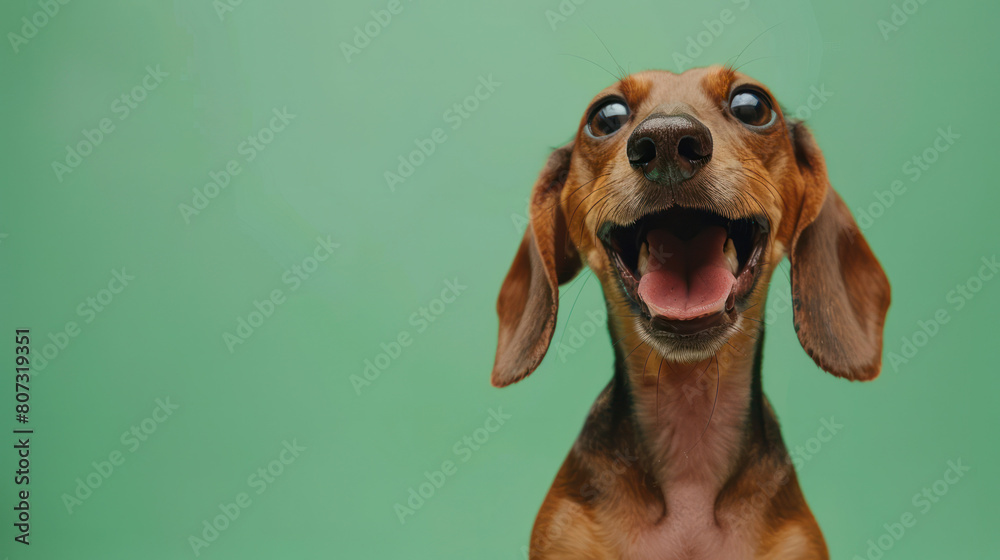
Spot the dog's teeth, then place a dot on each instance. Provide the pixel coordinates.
(730, 253)
(643, 265)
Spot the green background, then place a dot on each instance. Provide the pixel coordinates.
(458, 216)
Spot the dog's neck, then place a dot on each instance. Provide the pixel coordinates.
(695, 422)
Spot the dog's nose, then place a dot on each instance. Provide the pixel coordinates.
(668, 149)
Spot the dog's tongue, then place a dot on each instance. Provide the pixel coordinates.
(686, 279)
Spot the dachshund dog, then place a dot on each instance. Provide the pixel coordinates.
(682, 193)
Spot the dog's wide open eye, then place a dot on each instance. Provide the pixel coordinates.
(608, 118)
(751, 108)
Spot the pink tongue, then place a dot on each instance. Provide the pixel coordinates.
(686, 279)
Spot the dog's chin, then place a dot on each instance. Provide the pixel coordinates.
(687, 348)
(688, 275)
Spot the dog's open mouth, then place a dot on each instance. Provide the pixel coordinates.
(686, 269)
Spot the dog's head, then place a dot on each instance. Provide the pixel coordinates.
(682, 192)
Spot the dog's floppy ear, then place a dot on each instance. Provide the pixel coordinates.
(840, 293)
(529, 298)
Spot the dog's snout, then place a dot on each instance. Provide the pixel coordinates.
(669, 148)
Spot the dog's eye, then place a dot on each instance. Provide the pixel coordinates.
(752, 108)
(608, 118)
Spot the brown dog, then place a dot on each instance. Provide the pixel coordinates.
(682, 193)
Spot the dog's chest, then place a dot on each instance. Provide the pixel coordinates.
(696, 443)
(689, 532)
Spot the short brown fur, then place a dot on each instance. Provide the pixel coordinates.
(636, 484)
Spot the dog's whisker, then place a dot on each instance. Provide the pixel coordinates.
(588, 195)
(596, 205)
(732, 66)
(570, 196)
(711, 414)
(787, 272)
(646, 361)
(633, 350)
(628, 315)
(610, 73)
(607, 50)
(755, 60)
(730, 344)
(658, 389)
(753, 174)
(572, 307)
(745, 333)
